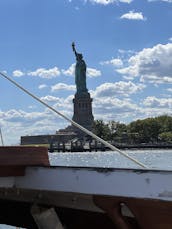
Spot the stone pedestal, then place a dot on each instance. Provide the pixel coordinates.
(83, 111)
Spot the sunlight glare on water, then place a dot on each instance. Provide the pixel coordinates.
(158, 159)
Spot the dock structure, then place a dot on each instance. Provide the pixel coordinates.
(77, 146)
(80, 146)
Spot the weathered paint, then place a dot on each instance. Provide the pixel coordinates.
(118, 182)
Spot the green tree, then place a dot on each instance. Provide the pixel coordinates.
(101, 129)
(146, 130)
(166, 137)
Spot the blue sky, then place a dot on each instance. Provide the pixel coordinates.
(127, 46)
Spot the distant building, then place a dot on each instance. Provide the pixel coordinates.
(47, 139)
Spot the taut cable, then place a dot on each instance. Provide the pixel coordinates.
(74, 123)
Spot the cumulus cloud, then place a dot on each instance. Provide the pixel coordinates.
(92, 72)
(17, 123)
(18, 73)
(152, 101)
(111, 108)
(70, 71)
(131, 15)
(121, 88)
(42, 86)
(64, 104)
(45, 73)
(50, 98)
(116, 62)
(153, 65)
(63, 86)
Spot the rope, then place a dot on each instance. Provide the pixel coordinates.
(74, 123)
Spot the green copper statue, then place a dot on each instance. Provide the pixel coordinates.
(80, 72)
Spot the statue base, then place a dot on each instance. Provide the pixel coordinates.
(83, 112)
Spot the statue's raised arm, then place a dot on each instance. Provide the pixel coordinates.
(73, 48)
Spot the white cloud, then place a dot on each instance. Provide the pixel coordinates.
(169, 1)
(107, 2)
(45, 73)
(70, 71)
(92, 72)
(64, 104)
(169, 89)
(63, 86)
(17, 123)
(110, 108)
(42, 86)
(153, 65)
(121, 88)
(123, 51)
(116, 62)
(126, 1)
(18, 73)
(155, 79)
(133, 16)
(154, 102)
(170, 39)
(50, 98)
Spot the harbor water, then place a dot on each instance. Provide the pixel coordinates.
(153, 159)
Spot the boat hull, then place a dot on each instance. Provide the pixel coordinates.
(116, 198)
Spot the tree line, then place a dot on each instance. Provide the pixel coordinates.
(149, 130)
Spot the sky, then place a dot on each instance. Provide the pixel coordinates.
(126, 44)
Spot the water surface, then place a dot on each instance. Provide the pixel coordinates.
(158, 159)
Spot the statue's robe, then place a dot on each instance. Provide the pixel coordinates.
(80, 76)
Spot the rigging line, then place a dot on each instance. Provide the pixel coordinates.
(74, 123)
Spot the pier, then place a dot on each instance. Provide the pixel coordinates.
(80, 146)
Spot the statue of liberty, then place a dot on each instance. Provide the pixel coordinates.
(80, 72)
